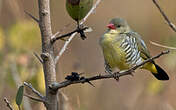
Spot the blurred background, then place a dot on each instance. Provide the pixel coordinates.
(20, 37)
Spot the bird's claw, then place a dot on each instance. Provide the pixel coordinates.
(116, 76)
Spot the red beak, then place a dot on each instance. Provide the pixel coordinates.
(111, 26)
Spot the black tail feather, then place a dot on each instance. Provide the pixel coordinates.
(161, 75)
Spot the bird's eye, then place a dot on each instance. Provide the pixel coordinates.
(118, 26)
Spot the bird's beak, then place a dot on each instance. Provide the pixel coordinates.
(111, 26)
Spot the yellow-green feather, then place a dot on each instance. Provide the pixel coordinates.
(151, 67)
(114, 55)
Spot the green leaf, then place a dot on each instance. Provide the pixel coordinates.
(19, 95)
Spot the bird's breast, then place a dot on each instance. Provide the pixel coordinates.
(113, 53)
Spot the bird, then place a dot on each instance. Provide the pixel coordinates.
(78, 9)
(124, 48)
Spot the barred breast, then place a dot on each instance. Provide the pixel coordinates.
(131, 50)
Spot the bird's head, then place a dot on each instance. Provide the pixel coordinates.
(118, 25)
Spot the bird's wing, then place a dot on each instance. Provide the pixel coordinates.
(145, 54)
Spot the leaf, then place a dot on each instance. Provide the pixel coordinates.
(19, 95)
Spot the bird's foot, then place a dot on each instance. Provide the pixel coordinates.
(116, 76)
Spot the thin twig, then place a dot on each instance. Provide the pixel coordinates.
(34, 90)
(66, 35)
(164, 46)
(165, 17)
(34, 98)
(38, 57)
(8, 103)
(30, 15)
(54, 35)
(56, 86)
(73, 35)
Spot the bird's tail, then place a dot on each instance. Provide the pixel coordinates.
(157, 71)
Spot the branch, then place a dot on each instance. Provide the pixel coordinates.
(8, 103)
(164, 46)
(34, 98)
(55, 38)
(34, 90)
(165, 17)
(34, 18)
(38, 57)
(56, 86)
(73, 35)
(49, 67)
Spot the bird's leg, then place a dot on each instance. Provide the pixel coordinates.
(80, 31)
(109, 70)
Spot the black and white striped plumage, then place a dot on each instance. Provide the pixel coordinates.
(132, 53)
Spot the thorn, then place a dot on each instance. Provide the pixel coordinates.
(30, 15)
(38, 57)
(83, 78)
(90, 83)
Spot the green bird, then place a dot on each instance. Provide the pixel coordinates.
(123, 48)
(78, 9)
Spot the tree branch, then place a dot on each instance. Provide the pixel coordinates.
(73, 35)
(66, 35)
(173, 27)
(8, 103)
(56, 86)
(34, 90)
(38, 57)
(30, 15)
(163, 46)
(47, 49)
(34, 98)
